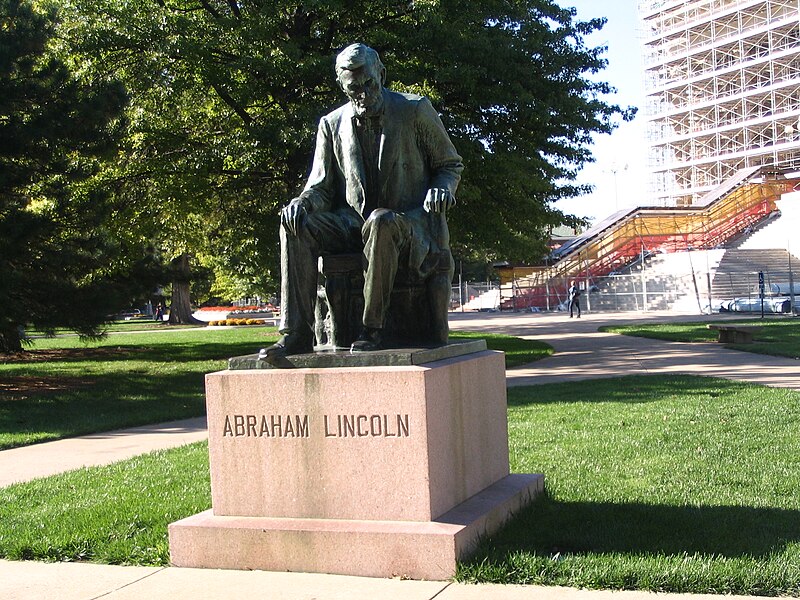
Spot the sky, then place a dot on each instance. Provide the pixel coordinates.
(619, 174)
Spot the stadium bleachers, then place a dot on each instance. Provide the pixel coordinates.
(724, 215)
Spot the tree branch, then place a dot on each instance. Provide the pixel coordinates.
(211, 10)
(228, 99)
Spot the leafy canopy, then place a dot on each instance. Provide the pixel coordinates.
(225, 96)
(57, 260)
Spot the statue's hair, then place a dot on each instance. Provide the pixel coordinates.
(356, 56)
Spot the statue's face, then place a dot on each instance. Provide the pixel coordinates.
(363, 86)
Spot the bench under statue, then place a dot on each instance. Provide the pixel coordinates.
(414, 318)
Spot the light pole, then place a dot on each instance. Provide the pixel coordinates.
(614, 170)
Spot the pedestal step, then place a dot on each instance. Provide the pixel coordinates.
(417, 550)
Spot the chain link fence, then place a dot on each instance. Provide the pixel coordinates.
(686, 282)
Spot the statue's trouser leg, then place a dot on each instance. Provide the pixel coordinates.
(439, 292)
(385, 236)
(321, 233)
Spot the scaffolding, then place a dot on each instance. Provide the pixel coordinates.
(723, 91)
(724, 213)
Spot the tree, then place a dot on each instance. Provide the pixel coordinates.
(58, 264)
(225, 96)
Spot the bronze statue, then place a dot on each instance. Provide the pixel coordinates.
(383, 175)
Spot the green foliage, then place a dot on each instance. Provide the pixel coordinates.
(225, 97)
(58, 263)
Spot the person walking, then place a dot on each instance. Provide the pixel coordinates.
(574, 299)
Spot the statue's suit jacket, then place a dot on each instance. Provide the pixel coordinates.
(415, 155)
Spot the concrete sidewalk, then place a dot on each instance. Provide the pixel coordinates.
(42, 460)
(86, 581)
(581, 352)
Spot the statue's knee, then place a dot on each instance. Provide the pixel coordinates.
(381, 224)
(380, 217)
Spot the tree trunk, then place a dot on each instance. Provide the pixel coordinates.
(180, 311)
(10, 340)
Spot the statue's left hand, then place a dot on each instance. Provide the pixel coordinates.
(292, 215)
(438, 200)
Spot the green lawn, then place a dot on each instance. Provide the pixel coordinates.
(682, 484)
(117, 514)
(65, 387)
(518, 351)
(778, 337)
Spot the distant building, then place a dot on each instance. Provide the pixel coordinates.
(723, 91)
(560, 235)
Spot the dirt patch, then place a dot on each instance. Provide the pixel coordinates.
(24, 385)
(68, 354)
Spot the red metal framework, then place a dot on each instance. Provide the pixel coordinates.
(626, 237)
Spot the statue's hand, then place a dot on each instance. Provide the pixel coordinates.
(438, 200)
(292, 215)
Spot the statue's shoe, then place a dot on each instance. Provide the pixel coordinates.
(369, 340)
(288, 344)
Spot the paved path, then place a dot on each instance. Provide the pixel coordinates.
(581, 352)
(86, 581)
(41, 460)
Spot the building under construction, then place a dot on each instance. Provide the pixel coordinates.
(723, 108)
(723, 91)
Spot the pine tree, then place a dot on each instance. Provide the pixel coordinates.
(57, 260)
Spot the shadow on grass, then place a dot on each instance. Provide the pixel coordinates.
(549, 527)
(157, 353)
(114, 401)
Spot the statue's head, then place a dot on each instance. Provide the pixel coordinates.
(361, 75)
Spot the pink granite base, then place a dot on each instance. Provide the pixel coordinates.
(375, 443)
(417, 550)
(375, 471)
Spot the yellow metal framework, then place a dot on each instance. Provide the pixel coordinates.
(646, 231)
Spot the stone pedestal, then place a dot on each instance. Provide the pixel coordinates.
(376, 471)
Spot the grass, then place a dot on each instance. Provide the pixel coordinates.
(778, 337)
(64, 387)
(675, 484)
(518, 351)
(117, 514)
(141, 324)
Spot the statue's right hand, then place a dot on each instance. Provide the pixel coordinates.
(292, 215)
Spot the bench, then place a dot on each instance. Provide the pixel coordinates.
(414, 316)
(735, 334)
